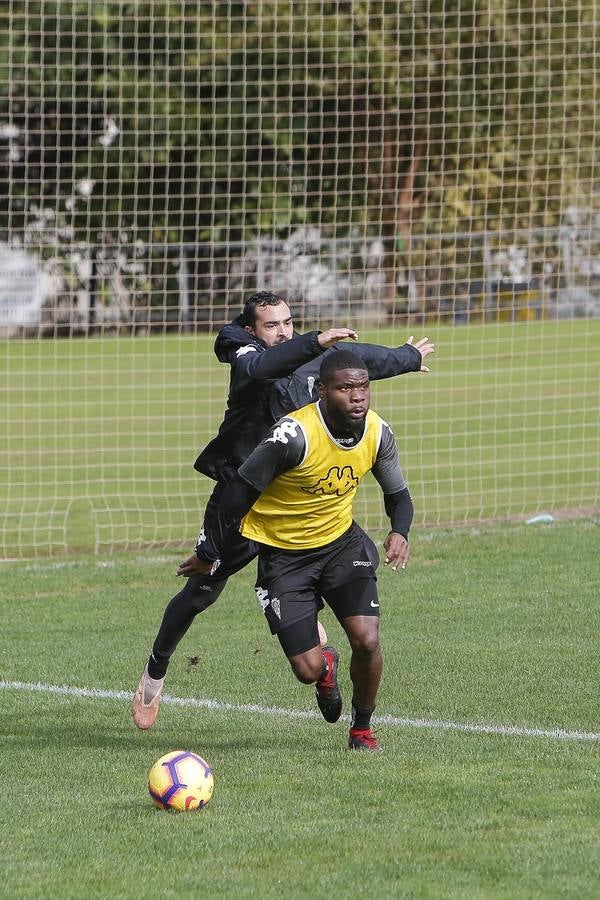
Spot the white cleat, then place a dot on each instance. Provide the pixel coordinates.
(146, 701)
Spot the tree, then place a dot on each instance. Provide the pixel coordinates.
(187, 121)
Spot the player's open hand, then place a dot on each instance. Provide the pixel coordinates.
(396, 551)
(334, 335)
(425, 347)
(194, 566)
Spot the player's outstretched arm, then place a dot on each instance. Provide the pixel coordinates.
(382, 362)
(249, 366)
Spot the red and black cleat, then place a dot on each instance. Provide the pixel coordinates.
(363, 739)
(328, 692)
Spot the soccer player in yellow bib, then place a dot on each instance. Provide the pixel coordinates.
(294, 497)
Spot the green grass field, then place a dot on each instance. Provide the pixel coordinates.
(100, 435)
(488, 711)
(487, 627)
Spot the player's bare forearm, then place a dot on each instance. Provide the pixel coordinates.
(396, 551)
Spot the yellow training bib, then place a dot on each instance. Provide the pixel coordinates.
(311, 505)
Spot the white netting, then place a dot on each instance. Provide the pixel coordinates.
(426, 167)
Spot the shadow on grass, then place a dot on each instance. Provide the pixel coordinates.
(27, 730)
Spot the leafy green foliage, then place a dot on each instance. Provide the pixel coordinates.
(240, 118)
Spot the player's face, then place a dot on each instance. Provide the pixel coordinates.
(346, 397)
(273, 324)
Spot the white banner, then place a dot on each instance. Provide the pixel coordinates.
(20, 288)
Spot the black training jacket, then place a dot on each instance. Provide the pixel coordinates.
(254, 368)
(268, 382)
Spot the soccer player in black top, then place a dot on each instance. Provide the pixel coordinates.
(272, 370)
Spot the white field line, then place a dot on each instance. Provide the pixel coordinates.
(559, 734)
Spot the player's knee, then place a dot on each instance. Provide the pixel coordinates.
(202, 592)
(365, 641)
(307, 668)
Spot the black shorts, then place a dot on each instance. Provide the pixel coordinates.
(237, 551)
(291, 583)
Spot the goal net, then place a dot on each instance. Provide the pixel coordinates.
(420, 168)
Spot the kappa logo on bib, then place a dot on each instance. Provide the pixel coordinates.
(337, 481)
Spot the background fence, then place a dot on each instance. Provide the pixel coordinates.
(397, 166)
(455, 278)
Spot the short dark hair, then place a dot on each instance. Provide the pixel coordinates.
(339, 359)
(260, 299)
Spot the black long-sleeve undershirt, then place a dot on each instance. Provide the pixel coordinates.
(399, 507)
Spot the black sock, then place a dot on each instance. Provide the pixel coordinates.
(361, 718)
(157, 668)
